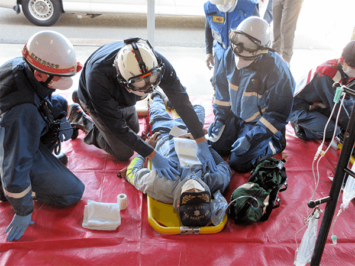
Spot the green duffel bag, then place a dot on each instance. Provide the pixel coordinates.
(255, 200)
(248, 203)
(270, 174)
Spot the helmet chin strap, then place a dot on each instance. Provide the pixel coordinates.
(49, 79)
(45, 83)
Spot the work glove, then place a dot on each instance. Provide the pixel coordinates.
(164, 166)
(66, 131)
(18, 226)
(205, 157)
(209, 61)
(241, 146)
(215, 128)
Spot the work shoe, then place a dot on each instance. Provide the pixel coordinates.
(75, 97)
(161, 95)
(2, 194)
(62, 157)
(299, 131)
(79, 120)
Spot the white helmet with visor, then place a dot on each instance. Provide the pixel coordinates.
(137, 66)
(251, 38)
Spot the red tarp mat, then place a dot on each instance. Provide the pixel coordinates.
(57, 237)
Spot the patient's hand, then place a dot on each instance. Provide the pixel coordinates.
(152, 141)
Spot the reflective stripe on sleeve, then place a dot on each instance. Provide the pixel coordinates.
(253, 93)
(255, 115)
(9, 194)
(268, 125)
(272, 147)
(222, 103)
(233, 87)
(18, 195)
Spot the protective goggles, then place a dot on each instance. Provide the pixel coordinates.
(246, 46)
(146, 82)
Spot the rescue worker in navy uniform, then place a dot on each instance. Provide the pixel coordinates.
(113, 79)
(257, 88)
(32, 123)
(314, 96)
(221, 17)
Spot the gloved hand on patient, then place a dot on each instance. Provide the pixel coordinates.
(205, 157)
(165, 166)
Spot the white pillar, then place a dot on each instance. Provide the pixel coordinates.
(151, 21)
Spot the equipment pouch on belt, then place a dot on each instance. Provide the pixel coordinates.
(51, 138)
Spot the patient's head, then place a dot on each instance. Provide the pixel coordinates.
(195, 204)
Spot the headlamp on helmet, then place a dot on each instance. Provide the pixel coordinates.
(137, 66)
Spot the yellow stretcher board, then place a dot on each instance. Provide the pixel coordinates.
(165, 220)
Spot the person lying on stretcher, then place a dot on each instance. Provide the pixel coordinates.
(190, 192)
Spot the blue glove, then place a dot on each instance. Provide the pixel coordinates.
(214, 128)
(164, 166)
(18, 226)
(241, 146)
(65, 130)
(205, 157)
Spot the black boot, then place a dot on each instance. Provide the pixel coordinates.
(62, 158)
(79, 120)
(299, 131)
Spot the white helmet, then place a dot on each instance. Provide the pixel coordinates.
(52, 53)
(137, 66)
(224, 5)
(251, 38)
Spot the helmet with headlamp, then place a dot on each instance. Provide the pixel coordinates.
(137, 66)
(251, 38)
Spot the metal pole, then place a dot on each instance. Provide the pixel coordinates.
(151, 21)
(349, 140)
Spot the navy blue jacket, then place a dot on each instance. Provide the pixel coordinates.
(100, 90)
(260, 94)
(21, 128)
